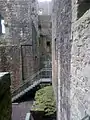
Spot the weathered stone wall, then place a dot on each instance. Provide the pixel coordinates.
(63, 57)
(73, 59)
(10, 61)
(18, 16)
(18, 60)
(34, 13)
(74, 10)
(4, 12)
(80, 67)
(54, 55)
(22, 14)
(5, 97)
(20, 21)
(16, 45)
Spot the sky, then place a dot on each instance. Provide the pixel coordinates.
(3, 26)
(44, 0)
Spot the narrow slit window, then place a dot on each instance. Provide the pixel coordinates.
(48, 43)
(3, 26)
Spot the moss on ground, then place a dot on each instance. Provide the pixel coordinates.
(44, 101)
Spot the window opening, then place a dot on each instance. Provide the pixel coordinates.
(33, 9)
(2, 25)
(48, 43)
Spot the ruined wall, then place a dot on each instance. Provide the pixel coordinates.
(10, 61)
(80, 67)
(63, 57)
(4, 12)
(16, 45)
(34, 13)
(54, 49)
(73, 58)
(5, 97)
(18, 60)
(20, 18)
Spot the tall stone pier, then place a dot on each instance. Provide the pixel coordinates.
(71, 58)
(61, 44)
(5, 96)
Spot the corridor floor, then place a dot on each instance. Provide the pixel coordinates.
(19, 110)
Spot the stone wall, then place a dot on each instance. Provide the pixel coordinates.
(22, 14)
(18, 16)
(80, 67)
(16, 45)
(5, 97)
(34, 13)
(10, 60)
(4, 12)
(63, 56)
(54, 49)
(19, 61)
(72, 52)
(20, 21)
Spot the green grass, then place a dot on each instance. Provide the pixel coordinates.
(44, 101)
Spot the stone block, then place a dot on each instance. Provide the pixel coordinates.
(5, 96)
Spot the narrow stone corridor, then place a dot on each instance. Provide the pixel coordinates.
(45, 42)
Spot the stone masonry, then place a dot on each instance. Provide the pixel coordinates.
(80, 62)
(61, 56)
(54, 61)
(18, 46)
(71, 54)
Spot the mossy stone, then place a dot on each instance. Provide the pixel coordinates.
(44, 101)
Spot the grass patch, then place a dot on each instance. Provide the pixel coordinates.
(44, 101)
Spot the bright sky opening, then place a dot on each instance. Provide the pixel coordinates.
(3, 26)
